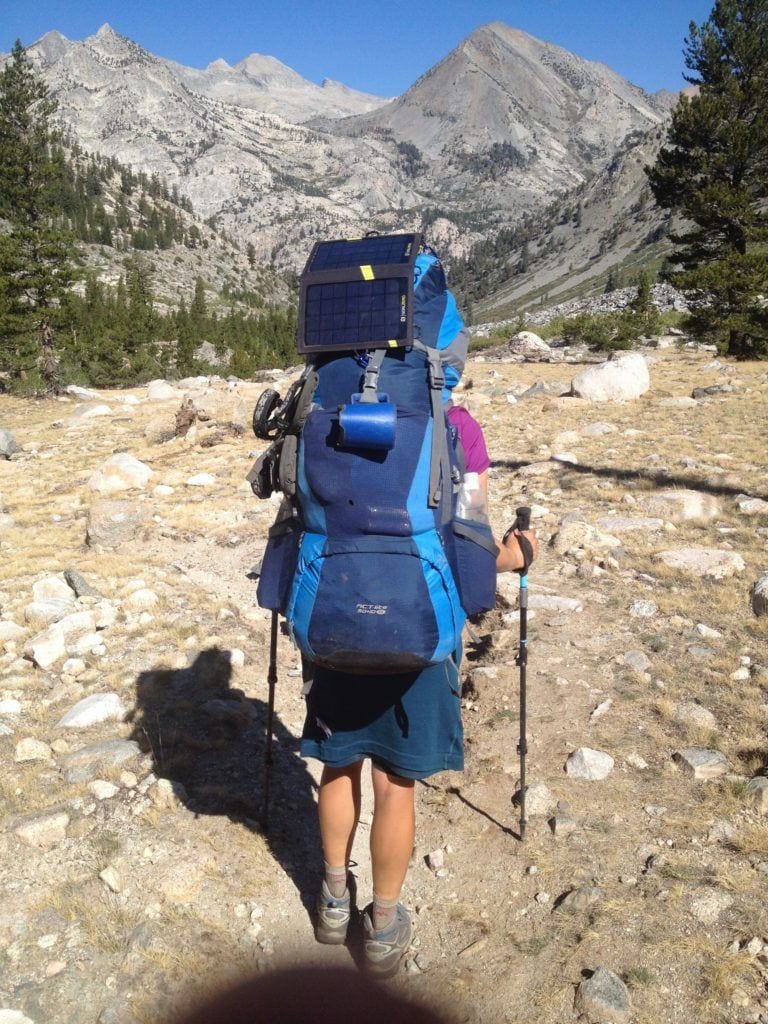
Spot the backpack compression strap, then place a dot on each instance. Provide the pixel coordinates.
(440, 483)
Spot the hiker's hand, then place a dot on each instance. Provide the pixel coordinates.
(510, 557)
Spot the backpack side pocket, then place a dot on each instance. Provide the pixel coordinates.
(475, 557)
(279, 565)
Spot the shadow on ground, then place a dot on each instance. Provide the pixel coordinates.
(658, 477)
(210, 739)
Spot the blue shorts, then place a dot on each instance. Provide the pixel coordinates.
(409, 724)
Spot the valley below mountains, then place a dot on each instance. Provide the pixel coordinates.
(504, 128)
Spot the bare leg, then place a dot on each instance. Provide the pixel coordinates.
(392, 832)
(338, 806)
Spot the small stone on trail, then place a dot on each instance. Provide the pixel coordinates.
(601, 709)
(700, 763)
(602, 998)
(542, 897)
(562, 825)
(435, 860)
(579, 900)
(590, 765)
(635, 761)
(111, 878)
(539, 801)
(102, 789)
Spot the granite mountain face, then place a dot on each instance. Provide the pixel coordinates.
(497, 129)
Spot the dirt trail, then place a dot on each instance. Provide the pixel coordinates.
(649, 873)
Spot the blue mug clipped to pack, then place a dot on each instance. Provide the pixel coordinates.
(368, 422)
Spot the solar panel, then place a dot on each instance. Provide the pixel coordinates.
(356, 252)
(358, 293)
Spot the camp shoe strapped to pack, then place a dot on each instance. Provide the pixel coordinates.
(385, 949)
(333, 915)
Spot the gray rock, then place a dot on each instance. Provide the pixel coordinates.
(8, 446)
(589, 765)
(691, 713)
(121, 472)
(112, 523)
(83, 765)
(99, 707)
(552, 602)
(89, 411)
(707, 632)
(760, 595)
(539, 800)
(603, 998)
(682, 505)
(30, 749)
(706, 563)
(638, 661)
(701, 763)
(48, 647)
(576, 536)
(579, 900)
(161, 391)
(10, 630)
(709, 904)
(624, 376)
(678, 402)
(700, 651)
(530, 346)
(435, 860)
(79, 584)
(757, 791)
(44, 613)
(643, 609)
(628, 524)
(598, 429)
(752, 506)
(8, 1016)
(42, 830)
(562, 824)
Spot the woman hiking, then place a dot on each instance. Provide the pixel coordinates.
(409, 727)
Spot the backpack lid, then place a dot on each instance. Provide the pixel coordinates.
(357, 293)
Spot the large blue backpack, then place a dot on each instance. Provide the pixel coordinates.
(367, 560)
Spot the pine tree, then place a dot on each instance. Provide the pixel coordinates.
(35, 267)
(714, 171)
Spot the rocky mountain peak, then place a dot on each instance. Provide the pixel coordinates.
(219, 65)
(52, 46)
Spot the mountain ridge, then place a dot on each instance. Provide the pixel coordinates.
(496, 130)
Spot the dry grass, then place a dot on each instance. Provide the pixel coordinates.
(751, 837)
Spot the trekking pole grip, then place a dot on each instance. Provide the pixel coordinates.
(523, 517)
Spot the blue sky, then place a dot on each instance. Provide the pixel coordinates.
(379, 47)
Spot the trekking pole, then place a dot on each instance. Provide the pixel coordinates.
(523, 522)
(271, 683)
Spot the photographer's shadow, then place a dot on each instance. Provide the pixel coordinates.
(210, 740)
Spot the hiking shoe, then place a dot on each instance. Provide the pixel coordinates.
(385, 949)
(333, 914)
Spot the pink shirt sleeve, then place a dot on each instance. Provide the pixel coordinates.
(472, 440)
